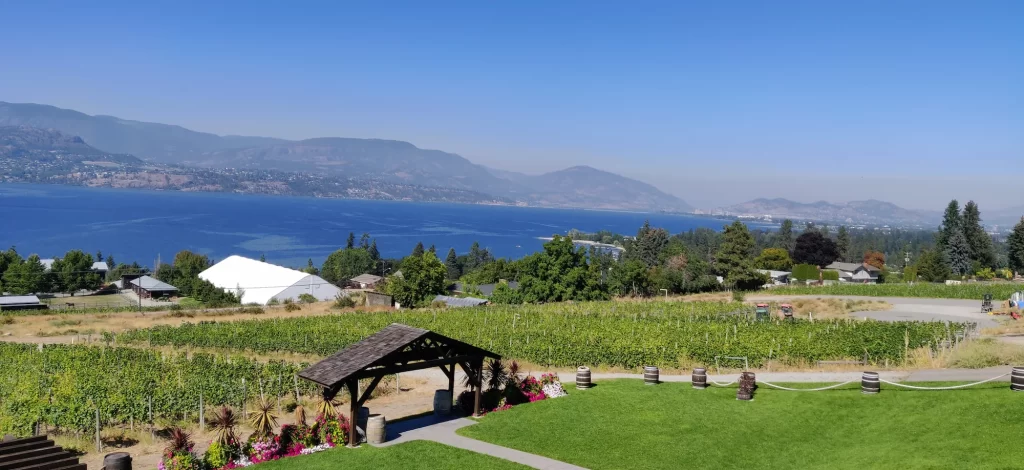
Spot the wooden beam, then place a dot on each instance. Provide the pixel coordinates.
(448, 372)
(479, 386)
(369, 390)
(353, 393)
(396, 368)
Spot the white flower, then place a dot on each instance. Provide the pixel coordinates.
(315, 449)
(243, 462)
(554, 390)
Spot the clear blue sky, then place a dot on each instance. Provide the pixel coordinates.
(908, 101)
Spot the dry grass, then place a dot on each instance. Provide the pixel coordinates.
(23, 328)
(985, 352)
(1007, 326)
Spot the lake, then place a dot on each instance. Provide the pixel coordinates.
(140, 226)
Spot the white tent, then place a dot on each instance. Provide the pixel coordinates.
(259, 282)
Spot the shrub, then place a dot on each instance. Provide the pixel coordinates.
(308, 299)
(291, 307)
(438, 304)
(333, 431)
(986, 274)
(288, 301)
(254, 310)
(218, 455)
(830, 275)
(189, 303)
(344, 301)
(272, 302)
(805, 272)
(6, 319)
(737, 296)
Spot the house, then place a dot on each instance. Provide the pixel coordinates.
(860, 273)
(778, 278)
(485, 290)
(47, 263)
(460, 301)
(100, 266)
(150, 288)
(21, 302)
(364, 281)
(260, 283)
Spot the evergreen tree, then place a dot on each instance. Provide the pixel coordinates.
(950, 223)
(417, 251)
(364, 241)
(982, 250)
(932, 266)
(351, 242)
(432, 249)
(648, 245)
(74, 272)
(99, 255)
(263, 257)
(958, 253)
(1015, 248)
(110, 262)
(784, 239)
(451, 263)
(374, 253)
(734, 261)
(775, 259)
(843, 243)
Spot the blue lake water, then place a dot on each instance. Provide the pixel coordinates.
(141, 225)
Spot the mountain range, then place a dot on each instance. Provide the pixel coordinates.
(855, 212)
(386, 160)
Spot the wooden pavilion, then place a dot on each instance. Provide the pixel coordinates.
(397, 348)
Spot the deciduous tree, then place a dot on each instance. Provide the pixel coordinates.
(345, 264)
(775, 259)
(74, 272)
(814, 248)
(1015, 248)
(875, 258)
(422, 278)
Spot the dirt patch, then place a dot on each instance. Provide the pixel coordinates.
(820, 309)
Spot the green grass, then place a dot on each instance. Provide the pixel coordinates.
(625, 424)
(412, 455)
(972, 291)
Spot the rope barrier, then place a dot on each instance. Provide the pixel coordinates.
(806, 389)
(720, 385)
(952, 387)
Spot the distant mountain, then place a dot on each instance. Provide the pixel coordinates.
(857, 212)
(386, 160)
(157, 142)
(584, 186)
(34, 144)
(1008, 217)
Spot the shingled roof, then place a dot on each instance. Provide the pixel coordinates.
(384, 348)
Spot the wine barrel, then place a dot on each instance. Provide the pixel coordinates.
(1017, 379)
(442, 402)
(700, 378)
(376, 429)
(582, 378)
(747, 384)
(117, 461)
(650, 375)
(869, 382)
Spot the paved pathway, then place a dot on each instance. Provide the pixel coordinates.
(907, 308)
(433, 428)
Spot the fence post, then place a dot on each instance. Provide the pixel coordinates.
(243, 397)
(99, 444)
(152, 425)
(202, 418)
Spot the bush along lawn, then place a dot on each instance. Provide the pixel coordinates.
(626, 424)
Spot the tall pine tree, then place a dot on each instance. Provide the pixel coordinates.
(784, 239)
(734, 260)
(418, 249)
(958, 253)
(843, 243)
(351, 242)
(950, 224)
(982, 250)
(1015, 248)
(451, 262)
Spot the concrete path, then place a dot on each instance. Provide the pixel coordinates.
(442, 430)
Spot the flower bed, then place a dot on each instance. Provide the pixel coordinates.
(512, 391)
(323, 434)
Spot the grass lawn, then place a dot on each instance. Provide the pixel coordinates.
(413, 455)
(625, 424)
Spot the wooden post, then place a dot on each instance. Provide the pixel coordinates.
(353, 394)
(99, 443)
(152, 427)
(202, 417)
(451, 382)
(479, 379)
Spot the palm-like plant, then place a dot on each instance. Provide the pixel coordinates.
(325, 407)
(178, 440)
(223, 424)
(495, 374)
(513, 378)
(263, 420)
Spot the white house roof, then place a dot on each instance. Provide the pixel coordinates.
(47, 263)
(366, 279)
(774, 274)
(258, 281)
(19, 300)
(99, 266)
(152, 284)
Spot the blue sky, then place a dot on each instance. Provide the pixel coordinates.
(717, 102)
